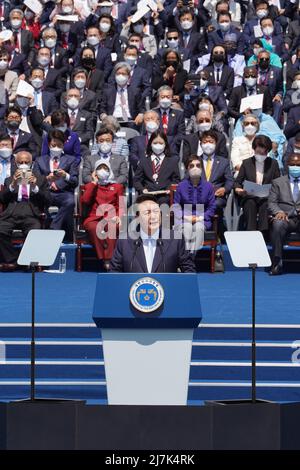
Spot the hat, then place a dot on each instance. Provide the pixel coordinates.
(6, 35)
(102, 161)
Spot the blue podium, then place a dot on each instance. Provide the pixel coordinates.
(147, 323)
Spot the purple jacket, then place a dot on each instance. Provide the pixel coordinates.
(204, 193)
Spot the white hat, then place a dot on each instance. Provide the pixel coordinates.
(102, 161)
(6, 35)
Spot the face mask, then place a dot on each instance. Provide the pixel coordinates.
(264, 63)
(204, 126)
(16, 24)
(121, 79)
(195, 172)
(250, 130)
(203, 83)
(62, 128)
(208, 149)
(268, 30)
(22, 101)
(260, 158)
(104, 27)
(158, 148)
(80, 83)
(172, 63)
(43, 61)
(64, 28)
(5, 152)
(250, 82)
(56, 151)
(151, 126)
(218, 58)
(73, 103)
(138, 28)
(67, 10)
(24, 166)
(294, 171)
(88, 62)
(296, 84)
(105, 147)
(37, 83)
(261, 13)
(93, 40)
(224, 26)
(50, 43)
(130, 59)
(186, 25)
(165, 103)
(296, 150)
(102, 175)
(257, 50)
(3, 64)
(204, 106)
(173, 43)
(13, 125)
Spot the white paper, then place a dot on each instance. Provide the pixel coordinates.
(24, 89)
(257, 31)
(72, 18)
(252, 102)
(140, 13)
(114, 56)
(34, 5)
(152, 5)
(187, 65)
(258, 190)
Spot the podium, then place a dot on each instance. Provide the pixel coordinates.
(147, 323)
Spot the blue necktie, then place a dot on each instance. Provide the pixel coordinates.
(296, 190)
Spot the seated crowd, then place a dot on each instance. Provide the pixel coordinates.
(198, 96)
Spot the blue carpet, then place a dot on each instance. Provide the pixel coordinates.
(226, 298)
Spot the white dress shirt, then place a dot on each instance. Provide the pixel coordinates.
(259, 171)
(149, 245)
(118, 106)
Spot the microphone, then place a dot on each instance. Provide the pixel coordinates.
(160, 244)
(136, 243)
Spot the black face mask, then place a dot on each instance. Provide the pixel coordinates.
(172, 63)
(264, 63)
(88, 62)
(218, 58)
(13, 125)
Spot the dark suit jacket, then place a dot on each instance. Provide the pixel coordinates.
(54, 83)
(292, 125)
(191, 143)
(84, 126)
(248, 31)
(88, 102)
(196, 44)
(131, 258)
(240, 92)
(168, 174)
(135, 100)
(49, 103)
(281, 198)
(221, 174)
(96, 82)
(139, 79)
(178, 86)
(67, 163)
(19, 64)
(37, 202)
(24, 142)
(176, 126)
(248, 171)
(289, 100)
(274, 81)
(216, 38)
(27, 45)
(214, 92)
(227, 78)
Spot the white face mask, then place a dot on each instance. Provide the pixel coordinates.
(93, 40)
(73, 103)
(105, 147)
(3, 64)
(16, 24)
(224, 26)
(165, 103)
(37, 83)
(5, 152)
(195, 172)
(204, 126)
(50, 43)
(68, 10)
(56, 151)
(158, 148)
(43, 61)
(80, 83)
(104, 27)
(186, 25)
(172, 43)
(250, 130)
(151, 126)
(268, 30)
(131, 59)
(102, 175)
(208, 149)
(296, 84)
(203, 83)
(250, 82)
(24, 166)
(296, 150)
(261, 13)
(260, 158)
(121, 79)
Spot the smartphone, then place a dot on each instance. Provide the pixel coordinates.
(55, 172)
(194, 78)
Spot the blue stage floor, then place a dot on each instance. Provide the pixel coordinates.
(226, 298)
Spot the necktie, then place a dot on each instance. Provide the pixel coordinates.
(185, 39)
(36, 99)
(64, 39)
(165, 122)
(123, 105)
(14, 137)
(24, 192)
(150, 254)
(251, 91)
(208, 168)
(296, 189)
(72, 119)
(16, 40)
(218, 76)
(157, 165)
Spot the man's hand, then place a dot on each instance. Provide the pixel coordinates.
(145, 191)
(240, 192)
(17, 175)
(281, 216)
(139, 119)
(188, 86)
(220, 192)
(277, 99)
(32, 181)
(61, 173)
(169, 73)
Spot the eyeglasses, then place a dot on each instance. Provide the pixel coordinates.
(250, 123)
(194, 165)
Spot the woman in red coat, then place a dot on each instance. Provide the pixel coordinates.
(106, 207)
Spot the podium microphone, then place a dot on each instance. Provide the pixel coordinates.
(160, 244)
(137, 243)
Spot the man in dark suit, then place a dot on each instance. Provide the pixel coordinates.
(249, 88)
(292, 38)
(284, 207)
(149, 253)
(172, 42)
(23, 39)
(248, 31)
(43, 100)
(21, 140)
(54, 82)
(293, 122)
(191, 142)
(102, 54)
(144, 58)
(59, 57)
(190, 39)
(88, 98)
(25, 196)
(225, 27)
(272, 78)
(61, 172)
(18, 63)
(219, 72)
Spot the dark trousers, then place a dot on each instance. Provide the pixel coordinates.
(18, 221)
(255, 213)
(279, 230)
(63, 220)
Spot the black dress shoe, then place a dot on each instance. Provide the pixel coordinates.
(276, 269)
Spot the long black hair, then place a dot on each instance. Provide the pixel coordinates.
(161, 134)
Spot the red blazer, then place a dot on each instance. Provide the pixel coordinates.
(95, 195)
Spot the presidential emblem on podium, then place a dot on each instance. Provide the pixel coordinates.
(146, 295)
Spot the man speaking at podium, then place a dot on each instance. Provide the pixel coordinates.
(150, 253)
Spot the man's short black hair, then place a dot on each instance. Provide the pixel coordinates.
(146, 197)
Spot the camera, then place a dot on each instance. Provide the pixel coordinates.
(55, 172)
